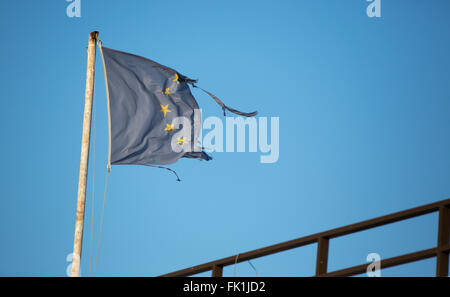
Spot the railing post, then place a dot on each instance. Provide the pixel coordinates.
(322, 256)
(217, 271)
(443, 239)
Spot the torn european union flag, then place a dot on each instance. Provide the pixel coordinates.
(153, 117)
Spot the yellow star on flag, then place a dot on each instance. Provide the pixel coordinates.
(170, 127)
(167, 92)
(181, 141)
(165, 109)
(176, 78)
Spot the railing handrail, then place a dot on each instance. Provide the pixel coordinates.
(322, 238)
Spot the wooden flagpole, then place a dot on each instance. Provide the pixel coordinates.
(90, 74)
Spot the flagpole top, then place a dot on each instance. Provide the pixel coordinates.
(94, 35)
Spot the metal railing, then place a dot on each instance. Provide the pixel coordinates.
(441, 251)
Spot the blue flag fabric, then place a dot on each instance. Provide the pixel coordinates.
(144, 99)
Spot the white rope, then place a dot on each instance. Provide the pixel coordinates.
(101, 222)
(254, 268)
(99, 44)
(93, 187)
(108, 167)
(235, 262)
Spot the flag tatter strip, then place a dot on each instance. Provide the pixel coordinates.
(224, 107)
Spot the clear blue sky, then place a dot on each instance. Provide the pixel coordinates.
(364, 115)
